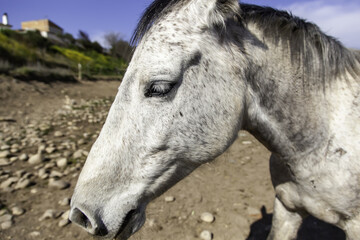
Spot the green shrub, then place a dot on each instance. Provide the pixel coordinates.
(42, 73)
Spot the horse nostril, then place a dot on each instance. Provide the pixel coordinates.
(93, 225)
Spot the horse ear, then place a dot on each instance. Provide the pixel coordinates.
(224, 10)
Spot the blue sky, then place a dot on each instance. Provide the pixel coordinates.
(339, 18)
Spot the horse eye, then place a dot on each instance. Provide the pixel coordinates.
(159, 89)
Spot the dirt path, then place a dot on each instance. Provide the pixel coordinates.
(235, 188)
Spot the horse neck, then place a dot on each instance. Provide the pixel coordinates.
(288, 119)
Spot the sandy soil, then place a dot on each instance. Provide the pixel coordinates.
(235, 188)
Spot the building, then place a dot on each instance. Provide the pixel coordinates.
(47, 28)
(5, 22)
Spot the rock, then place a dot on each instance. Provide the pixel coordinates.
(23, 183)
(16, 211)
(34, 191)
(49, 165)
(81, 142)
(78, 154)
(50, 150)
(56, 174)
(49, 214)
(61, 163)
(65, 215)
(206, 235)
(5, 154)
(23, 157)
(246, 142)
(58, 134)
(4, 147)
(36, 159)
(13, 159)
(7, 183)
(20, 173)
(64, 202)
(58, 184)
(63, 222)
(6, 218)
(169, 199)
(34, 234)
(207, 217)
(6, 225)
(4, 162)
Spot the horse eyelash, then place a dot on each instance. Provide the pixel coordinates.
(159, 89)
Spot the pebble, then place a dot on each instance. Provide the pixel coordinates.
(206, 235)
(6, 225)
(64, 202)
(169, 199)
(22, 183)
(36, 158)
(17, 211)
(49, 214)
(50, 150)
(56, 174)
(246, 142)
(34, 234)
(61, 163)
(4, 162)
(23, 157)
(254, 212)
(6, 218)
(4, 147)
(207, 217)
(58, 134)
(78, 154)
(7, 183)
(65, 215)
(63, 222)
(58, 184)
(5, 154)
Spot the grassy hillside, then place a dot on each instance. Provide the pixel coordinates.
(29, 56)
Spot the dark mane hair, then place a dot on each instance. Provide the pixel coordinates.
(153, 12)
(319, 55)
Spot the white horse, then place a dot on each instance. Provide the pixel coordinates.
(202, 71)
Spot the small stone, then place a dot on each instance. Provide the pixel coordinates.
(65, 215)
(78, 154)
(206, 235)
(5, 154)
(61, 163)
(207, 217)
(65, 202)
(6, 218)
(6, 225)
(23, 183)
(169, 199)
(7, 183)
(58, 134)
(50, 150)
(14, 159)
(56, 174)
(34, 234)
(63, 222)
(4, 147)
(34, 191)
(16, 211)
(4, 162)
(36, 159)
(58, 184)
(81, 142)
(49, 165)
(23, 157)
(49, 214)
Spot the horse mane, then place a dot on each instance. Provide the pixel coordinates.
(319, 55)
(154, 11)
